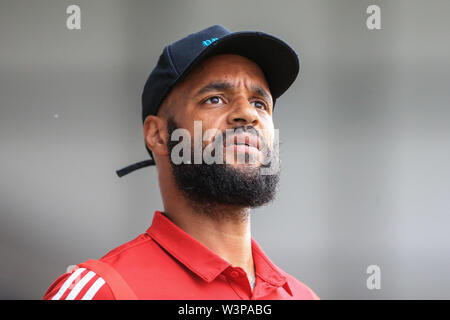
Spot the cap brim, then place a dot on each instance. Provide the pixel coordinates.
(278, 61)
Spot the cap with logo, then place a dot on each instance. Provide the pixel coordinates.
(277, 60)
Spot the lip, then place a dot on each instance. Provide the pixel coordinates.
(244, 139)
(242, 148)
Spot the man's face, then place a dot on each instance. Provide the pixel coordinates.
(226, 92)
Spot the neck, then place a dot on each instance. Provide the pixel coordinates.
(225, 230)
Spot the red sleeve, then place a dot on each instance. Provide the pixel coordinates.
(315, 296)
(79, 284)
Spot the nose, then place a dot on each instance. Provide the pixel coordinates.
(243, 113)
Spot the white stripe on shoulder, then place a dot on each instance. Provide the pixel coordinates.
(80, 285)
(93, 289)
(67, 283)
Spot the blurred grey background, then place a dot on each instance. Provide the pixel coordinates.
(365, 139)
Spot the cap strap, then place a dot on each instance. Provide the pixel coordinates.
(135, 166)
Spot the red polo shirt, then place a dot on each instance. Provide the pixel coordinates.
(167, 263)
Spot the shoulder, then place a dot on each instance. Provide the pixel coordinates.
(299, 289)
(138, 258)
(79, 284)
(86, 283)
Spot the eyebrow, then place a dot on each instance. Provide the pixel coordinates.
(227, 86)
(215, 86)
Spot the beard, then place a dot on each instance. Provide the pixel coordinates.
(222, 184)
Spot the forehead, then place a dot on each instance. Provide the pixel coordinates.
(230, 67)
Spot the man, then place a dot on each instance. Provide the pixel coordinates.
(200, 246)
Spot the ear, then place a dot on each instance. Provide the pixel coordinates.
(155, 134)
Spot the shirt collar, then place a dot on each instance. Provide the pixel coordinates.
(267, 270)
(204, 262)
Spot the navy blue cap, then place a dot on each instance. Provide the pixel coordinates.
(277, 60)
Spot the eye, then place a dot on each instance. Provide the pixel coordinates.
(259, 104)
(214, 100)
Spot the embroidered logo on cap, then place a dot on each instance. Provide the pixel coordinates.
(206, 43)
